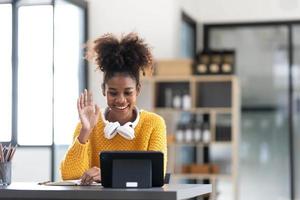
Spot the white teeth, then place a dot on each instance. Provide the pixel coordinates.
(121, 108)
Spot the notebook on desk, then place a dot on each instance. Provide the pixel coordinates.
(64, 183)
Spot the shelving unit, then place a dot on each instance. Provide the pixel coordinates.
(213, 97)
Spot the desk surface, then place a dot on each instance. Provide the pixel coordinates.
(35, 191)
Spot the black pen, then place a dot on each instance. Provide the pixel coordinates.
(43, 183)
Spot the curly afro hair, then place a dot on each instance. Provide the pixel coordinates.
(128, 55)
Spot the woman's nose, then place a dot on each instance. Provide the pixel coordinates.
(120, 99)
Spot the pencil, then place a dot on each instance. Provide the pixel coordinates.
(8, 152)
(12, 153)
(1, 152)
(43, 183)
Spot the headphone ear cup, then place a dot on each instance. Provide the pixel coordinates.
(110, 129)
(126, 131)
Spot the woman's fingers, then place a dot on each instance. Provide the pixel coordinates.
(90, 176)
(78, 104)
(90, 99)
(88, 180)
(83, 179)
(81, 100)
(97, 178)
(85, 97)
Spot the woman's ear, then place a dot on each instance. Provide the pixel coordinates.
(103, 88)
(138, 89)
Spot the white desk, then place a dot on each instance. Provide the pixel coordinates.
(18, 191)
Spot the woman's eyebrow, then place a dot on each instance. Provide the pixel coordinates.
(129, 88)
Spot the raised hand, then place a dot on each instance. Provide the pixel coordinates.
(88, 114)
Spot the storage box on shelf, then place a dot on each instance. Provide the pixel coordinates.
(202, 117)
(178, 67)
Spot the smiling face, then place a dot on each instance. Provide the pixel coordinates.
(121, 92)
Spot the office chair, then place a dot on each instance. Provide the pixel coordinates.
(167, 178)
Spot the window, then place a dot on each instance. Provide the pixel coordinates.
(50, 72)
(68, 60)
(42, 72)
(35, 75)
(5, 71)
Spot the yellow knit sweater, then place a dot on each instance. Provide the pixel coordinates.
(150, 134)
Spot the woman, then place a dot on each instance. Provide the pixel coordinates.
(121, 126)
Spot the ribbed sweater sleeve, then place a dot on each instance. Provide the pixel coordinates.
(77, 158)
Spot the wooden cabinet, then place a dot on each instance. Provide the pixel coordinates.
(209, 103)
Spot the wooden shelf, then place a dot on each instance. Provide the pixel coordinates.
(164, 109)
(193, 78)
(177, 144)
(171, 78)
(201, 90)
(202, 176)
(210, 78)
(196, 110)
(213, 110)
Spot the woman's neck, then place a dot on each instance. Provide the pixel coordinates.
(111, 117)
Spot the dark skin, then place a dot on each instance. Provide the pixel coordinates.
(121, 92)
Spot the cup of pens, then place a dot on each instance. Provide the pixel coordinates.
(6, 155)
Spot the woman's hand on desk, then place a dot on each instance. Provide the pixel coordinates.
(88, 114)
(90, 176)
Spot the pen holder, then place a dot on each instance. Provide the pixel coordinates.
(5, 173)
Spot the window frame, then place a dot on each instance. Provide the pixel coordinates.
(185, 18)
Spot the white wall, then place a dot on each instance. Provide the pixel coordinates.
(245, 10)
(31, 164)
(157, 21)
(154, 20)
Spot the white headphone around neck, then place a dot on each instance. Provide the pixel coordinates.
(126, 130)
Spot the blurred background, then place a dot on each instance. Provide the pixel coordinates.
(226, 81)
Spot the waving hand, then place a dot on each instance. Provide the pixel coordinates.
(88, 114)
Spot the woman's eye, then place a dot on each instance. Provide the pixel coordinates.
(112, 93)
(128, 93)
